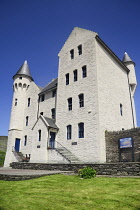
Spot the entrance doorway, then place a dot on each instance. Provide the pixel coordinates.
(52, 140)
(17, 145)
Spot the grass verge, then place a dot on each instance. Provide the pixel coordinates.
(70, 192)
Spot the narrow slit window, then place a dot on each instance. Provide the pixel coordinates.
(69, 132)
(84, 71)
(80, 49)
(25, 140)
(81, 100)
(72, 53)
(16, 101)
(69, 104)
(81, 130)
(53, 113)
(75, 75)
(39, 135)
(27, 120)
(29, 101)
(54, 93)
(121, 109)
(67, 79)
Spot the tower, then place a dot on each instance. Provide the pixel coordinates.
(132, 82)
(22, 80)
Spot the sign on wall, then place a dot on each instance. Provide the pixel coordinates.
(126, 142)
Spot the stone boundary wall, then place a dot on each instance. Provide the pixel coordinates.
(112, 149)
(114, 169)
(6, 177)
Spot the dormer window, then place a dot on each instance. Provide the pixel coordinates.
(80, 49)
(72, 53)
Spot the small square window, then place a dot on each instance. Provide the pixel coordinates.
(41, 113)
(20, 77)
(72, 53)
(80, 49)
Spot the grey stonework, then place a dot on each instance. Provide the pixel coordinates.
(114, 169)
(112, 149)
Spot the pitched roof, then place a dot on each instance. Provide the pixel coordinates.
(51, 122)
(50, 86)
(24, 70)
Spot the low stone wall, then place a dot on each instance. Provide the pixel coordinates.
(6, 177)
(114, 169)
(112, 148)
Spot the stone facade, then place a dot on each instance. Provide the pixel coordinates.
(93, 93)
(114, 154)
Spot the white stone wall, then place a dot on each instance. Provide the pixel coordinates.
(87, 148)
(48, 104)
(113, 90)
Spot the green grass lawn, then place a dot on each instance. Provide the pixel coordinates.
(70, 192)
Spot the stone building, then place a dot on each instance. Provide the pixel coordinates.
(66, 120)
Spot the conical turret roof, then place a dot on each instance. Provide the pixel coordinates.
(126, 58)
(24, 70)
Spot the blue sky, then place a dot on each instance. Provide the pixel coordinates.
(35, 30)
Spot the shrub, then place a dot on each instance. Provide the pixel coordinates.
(87, 173)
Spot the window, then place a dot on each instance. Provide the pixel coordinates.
(41, 113)
(25, 140)
(84, 71)
(53, 113)
(27, 119)
(42, 97)
(15, 101)
(54, 93)
(29, 100)
(39, 135)
(20, 77)
(69, 104)
(121, 109)
(81, 100)
(69, 131)
(80, 49)
(72, 53)
(75, 75)
(67, 79)
(81, 130)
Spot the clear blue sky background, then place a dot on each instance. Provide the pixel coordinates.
(37, 29)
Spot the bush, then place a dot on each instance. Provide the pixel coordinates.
(87, 173)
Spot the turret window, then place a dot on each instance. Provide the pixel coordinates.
(27, 120)
(16, 101)
(20, 77)
(29, 101)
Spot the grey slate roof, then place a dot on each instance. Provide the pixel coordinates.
(24, 70)
(127, 58)
(51, 122)
(50, 86)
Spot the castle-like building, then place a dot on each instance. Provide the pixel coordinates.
(66, 120)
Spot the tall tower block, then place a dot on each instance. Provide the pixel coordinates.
(22, 80)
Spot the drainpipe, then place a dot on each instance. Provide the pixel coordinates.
(131, 101)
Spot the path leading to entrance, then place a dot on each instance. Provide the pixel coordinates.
(9, 174)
